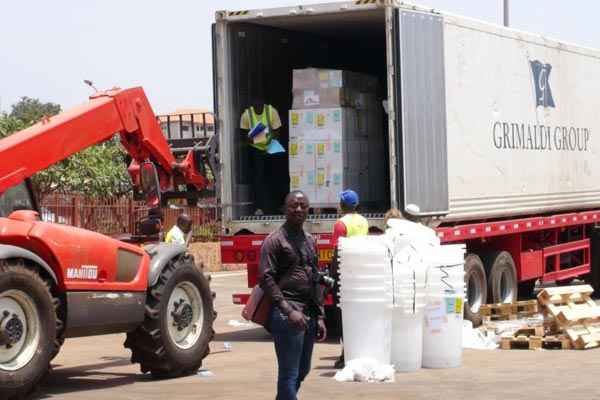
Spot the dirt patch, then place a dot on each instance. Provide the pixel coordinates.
(210, 254)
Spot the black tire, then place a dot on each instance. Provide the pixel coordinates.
(14, 275)
(333, 321)
(526, 290)
(151, 344)
(476, 284)
(502, 277)
(61, 317)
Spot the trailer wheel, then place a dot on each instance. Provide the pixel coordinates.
(502, 277)
(333, 321)
(475, 281)
(28, 326)
(178, 327)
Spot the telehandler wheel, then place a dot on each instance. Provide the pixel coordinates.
(174, 338)
(28, 325)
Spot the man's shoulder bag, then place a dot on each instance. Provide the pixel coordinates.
(258, 307)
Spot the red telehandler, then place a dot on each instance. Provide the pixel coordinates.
(59, 282)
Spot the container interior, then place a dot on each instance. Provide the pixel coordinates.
(263, 55)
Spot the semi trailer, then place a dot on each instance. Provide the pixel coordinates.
(489, 134)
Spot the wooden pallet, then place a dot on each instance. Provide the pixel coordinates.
(586, 335)
(508, 311)
(572, 310)
(565, 295)
(523, 342)
(530, 331)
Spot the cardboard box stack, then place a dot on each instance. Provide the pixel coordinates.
(336, 136)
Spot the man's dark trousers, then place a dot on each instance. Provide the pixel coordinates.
(294, 349)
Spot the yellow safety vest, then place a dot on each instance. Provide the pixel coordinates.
(356, 225)
(265, 118)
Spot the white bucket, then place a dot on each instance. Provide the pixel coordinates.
(365, 293)
(407, 340)
(380, 276)
(367, 329)
(442, 333)
(362, 251)
(442, 329)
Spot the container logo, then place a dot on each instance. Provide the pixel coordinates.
(541, 75)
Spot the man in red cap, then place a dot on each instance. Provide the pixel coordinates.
(350, 224)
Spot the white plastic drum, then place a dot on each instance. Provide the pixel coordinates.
(443, 323)
(367, 329)
(409, 300)
(407, 340)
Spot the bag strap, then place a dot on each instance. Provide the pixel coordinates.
(291, 269)
(299, 252)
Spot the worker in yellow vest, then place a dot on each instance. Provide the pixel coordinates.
(260, 123)
(351, 224)
(178, 233)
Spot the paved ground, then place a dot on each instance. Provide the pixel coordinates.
(99, 368)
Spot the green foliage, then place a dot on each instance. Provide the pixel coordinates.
(208, 232)
(97, 171)
(31, 110)
(10, 124)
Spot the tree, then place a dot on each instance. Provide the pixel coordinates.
(10, 124)
(31, 110)
(97, 171)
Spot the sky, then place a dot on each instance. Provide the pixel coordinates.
(49, 47)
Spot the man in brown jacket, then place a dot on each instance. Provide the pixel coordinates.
(288, 265)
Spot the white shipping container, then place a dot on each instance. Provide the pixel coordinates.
(489, 122)
(521, 122)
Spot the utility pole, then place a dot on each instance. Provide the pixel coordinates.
(505, 12)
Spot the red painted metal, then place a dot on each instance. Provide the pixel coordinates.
(241, 298)
(566, 273)
(532, 242)
(461, 233)
(532, 265)
(126, 112)
(246, 245)
(66, 249)
(562, 249)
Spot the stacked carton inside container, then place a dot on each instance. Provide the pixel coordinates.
(336, 136)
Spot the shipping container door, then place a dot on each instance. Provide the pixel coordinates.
(421, 112)
(215, 165)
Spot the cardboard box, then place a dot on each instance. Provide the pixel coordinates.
(328, 153)
(315, 78)
(320, 124)
(303, 180)
(324, 98)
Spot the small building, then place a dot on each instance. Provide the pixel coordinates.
(186, 127)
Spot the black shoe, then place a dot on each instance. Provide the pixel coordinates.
(339, 364)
